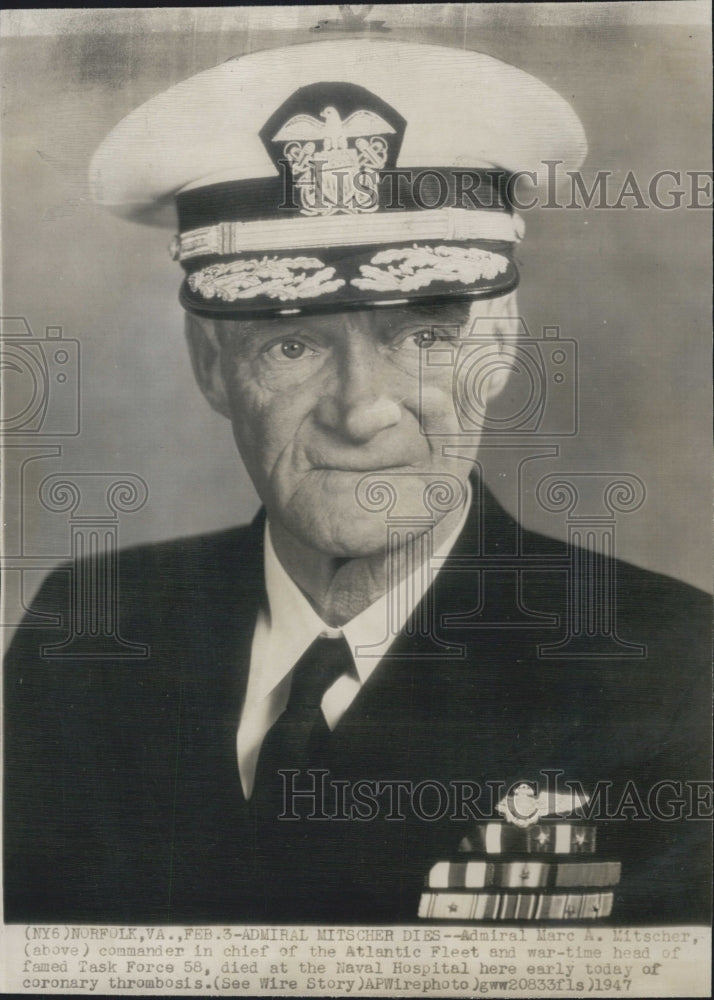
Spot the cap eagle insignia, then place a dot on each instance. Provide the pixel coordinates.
(524, 808)
(338, 177)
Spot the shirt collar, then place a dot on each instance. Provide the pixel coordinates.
(292, 623)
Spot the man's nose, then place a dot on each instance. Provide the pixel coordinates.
(363, 397)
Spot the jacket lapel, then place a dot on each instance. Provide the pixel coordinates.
(229, 591)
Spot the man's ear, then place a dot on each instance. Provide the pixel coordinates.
(496, 320)
(504, 332)
(205, 349)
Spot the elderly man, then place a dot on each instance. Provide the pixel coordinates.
(347, 233)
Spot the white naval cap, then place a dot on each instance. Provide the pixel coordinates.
(338, 174)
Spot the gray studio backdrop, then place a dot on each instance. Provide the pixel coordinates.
(630, 287)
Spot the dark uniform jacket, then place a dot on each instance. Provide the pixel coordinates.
(122, 794)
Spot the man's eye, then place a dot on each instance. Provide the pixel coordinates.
(422, 338)
(288, 350)
(292, 349)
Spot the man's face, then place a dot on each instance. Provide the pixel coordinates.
(319, 402)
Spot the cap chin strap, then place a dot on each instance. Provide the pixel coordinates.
(380, 228)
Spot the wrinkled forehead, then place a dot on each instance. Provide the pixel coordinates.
(457, 316)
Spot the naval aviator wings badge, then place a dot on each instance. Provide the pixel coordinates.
(334, 139)
(524, 808)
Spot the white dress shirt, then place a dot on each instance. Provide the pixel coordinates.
(289, 625)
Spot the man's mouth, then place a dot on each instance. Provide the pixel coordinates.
(363, 467)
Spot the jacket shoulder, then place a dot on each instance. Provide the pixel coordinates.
(163, 566)
(190, 551)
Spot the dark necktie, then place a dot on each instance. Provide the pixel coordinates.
(285, 857)
(297, 738)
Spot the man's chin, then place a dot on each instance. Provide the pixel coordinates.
(352, 539)
(352, 533)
